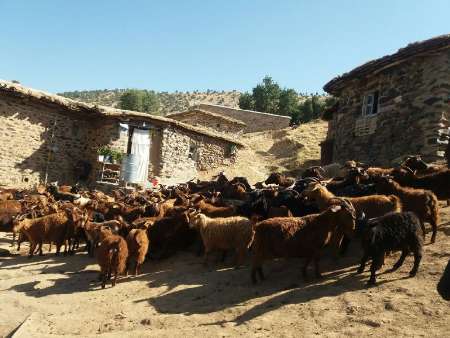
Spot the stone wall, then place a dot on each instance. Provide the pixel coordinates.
(38, 141)
(184, 153)
(175, 155)
(255, 121)
(104, 132)
(213, 122)
(413, 113)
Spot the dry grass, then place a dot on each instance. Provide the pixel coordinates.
(288, 150)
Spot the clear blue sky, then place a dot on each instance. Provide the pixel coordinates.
(170, 45)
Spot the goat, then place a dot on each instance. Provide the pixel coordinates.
(95, 232)
(371, 206)
(228, 233)
(281, 180)
(438, 183)
(422, 202)
(443, 286)
(112, 257)
(213, 211)
(167, 235)
(137, 242)
(300, 236)
(418, 165)
(393, 231)
(50, 229)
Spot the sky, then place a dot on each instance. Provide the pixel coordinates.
(186, 45)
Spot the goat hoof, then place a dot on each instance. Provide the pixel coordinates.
(412, 274)
(370, 284)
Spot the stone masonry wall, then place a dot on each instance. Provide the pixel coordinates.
(215, 123)
(184, 153)
(413, 113)
(37, 139)
(104, 132)
(255, 121)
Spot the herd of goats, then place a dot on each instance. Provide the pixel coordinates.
(386, 209)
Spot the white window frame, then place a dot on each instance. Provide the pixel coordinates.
(367, 108)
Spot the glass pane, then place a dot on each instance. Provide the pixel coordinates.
(369, 110)
(369, 99)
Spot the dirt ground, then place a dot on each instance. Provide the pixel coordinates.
(53, 296)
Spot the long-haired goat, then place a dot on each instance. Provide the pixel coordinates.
(229, 233)
(422, 202)
(300, 236)
(112, 257)
(137, 242)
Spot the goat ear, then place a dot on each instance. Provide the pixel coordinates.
(362, 216)
(336, 208)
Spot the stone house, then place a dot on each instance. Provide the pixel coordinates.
(43, 137)
(255, 120)
(393, 106)
(210, 120)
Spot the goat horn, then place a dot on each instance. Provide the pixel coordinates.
(408, 169)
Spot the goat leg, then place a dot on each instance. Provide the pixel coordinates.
(400, 261)
(377, 262)
(417, 259)
(363, 263)
(32, 247)
(316, 266)
(305, 267)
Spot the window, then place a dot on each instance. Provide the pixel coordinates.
(230, 151)
(370, 104)
(193, 152)
(76, 130)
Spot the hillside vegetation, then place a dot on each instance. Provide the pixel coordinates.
(169, 102)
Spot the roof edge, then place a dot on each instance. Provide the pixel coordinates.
(105, 111)
(244, 110)
(401, 55)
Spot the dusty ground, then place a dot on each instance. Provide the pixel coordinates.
(287, 150)
(53, 296)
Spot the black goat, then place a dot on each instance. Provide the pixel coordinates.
(391, 232)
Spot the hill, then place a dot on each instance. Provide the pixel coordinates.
(169, 102)
(287, 150)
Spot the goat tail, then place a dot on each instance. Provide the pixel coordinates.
(112, 257)
(432, 204)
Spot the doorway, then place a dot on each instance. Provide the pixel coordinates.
(140, 147)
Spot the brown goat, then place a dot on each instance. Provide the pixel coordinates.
(300, 236)
(282, 211)
(438, 183)
(137, 241)
(112, 257)
(422, 202)
(49, 229)
(281, 180)
(420, 166)
(371, 206)
(96, 232)
(213, 211)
